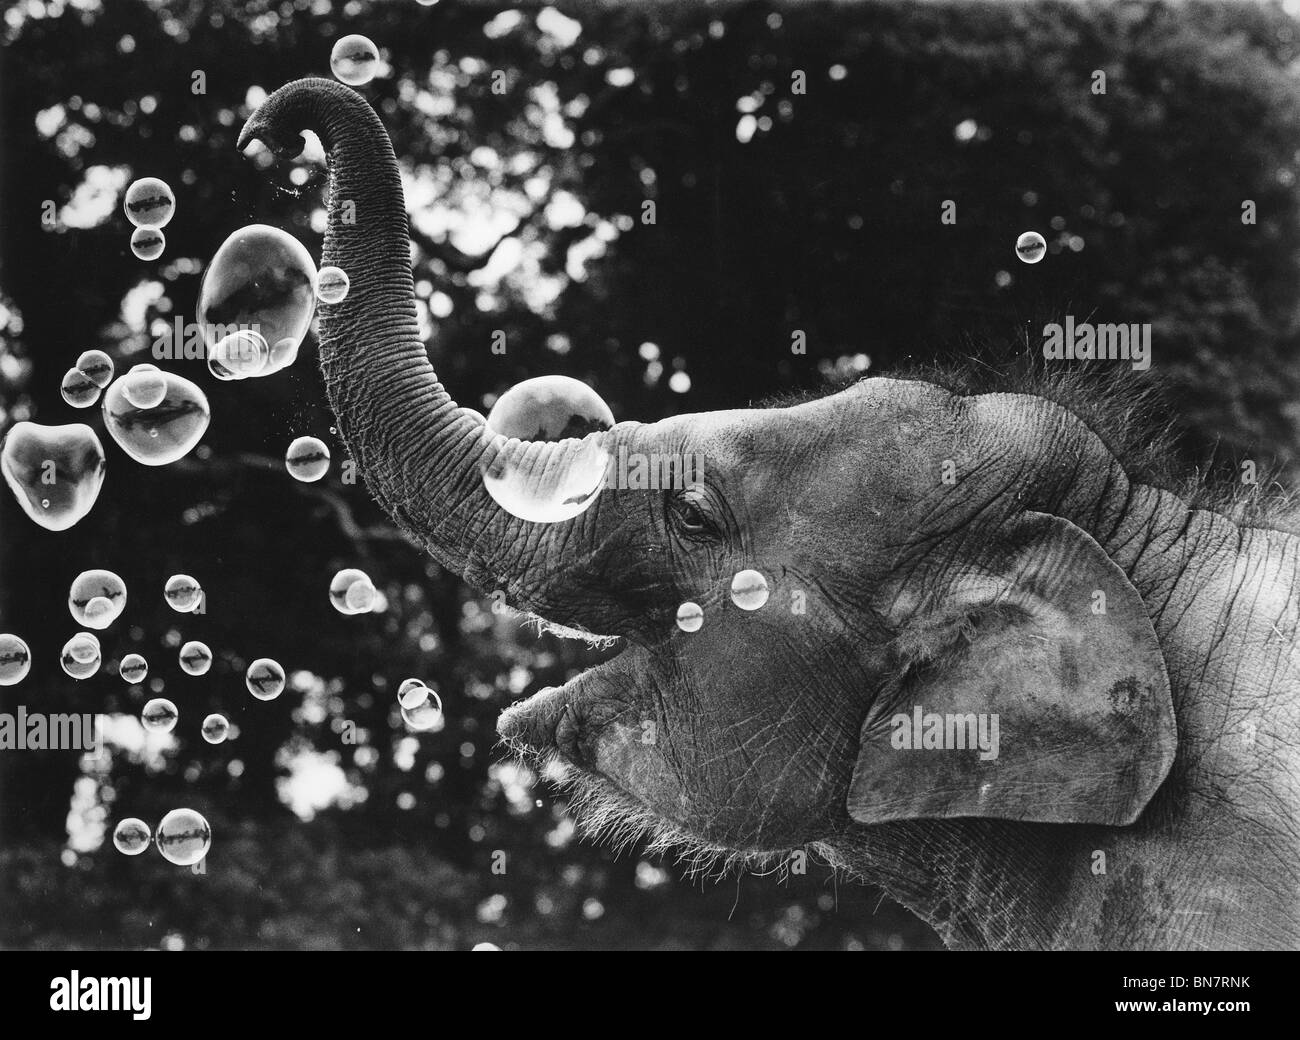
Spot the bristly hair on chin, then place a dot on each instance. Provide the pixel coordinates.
(1130, 412)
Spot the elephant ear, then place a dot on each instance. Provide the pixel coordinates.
(1035, 690)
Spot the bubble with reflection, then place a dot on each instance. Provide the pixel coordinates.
(149, 202)
(265, 679)
(412, 693)
(690, 617)
(133, 669)
(244, 354)
(80, 656)
(1031, 247)
(159, 435)
(307, 459)
(144, 387)
(183, 837)
(91, 586)
(15, 659)
(538, 483)
(215, 729)
(55, 472)
(131, 836)
(183, 593)
(354, 60)
(78, 389)
(749, 590)
(96, 366)
(148, 243)
(195, 658)
(352, 591)
(332, 284)
(425, 715)
(159, 715)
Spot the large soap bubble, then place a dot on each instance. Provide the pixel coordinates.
(542, 484)
(261, 280)
(55, 472)
(354, 60)
(183, 837)
(162, 434)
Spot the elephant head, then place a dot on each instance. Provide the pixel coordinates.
(960, 659)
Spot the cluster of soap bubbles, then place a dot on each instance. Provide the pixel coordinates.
(354, 60)
(420, 704)
(749, 591)
(183, 837)
(83, 382)
(352, 592)
(149, 205)
(256, 302)
(532, 481)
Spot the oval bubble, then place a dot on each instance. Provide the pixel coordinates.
(426, 715)
(78, 389)
(162, 434)
(307, 459)
(131, 836)
(144, 387)
(265, 679)
(183, 837)
(15, 659)
(263, 280)
(96, 365)
(215, 729)
(354, 60)
(159, 715)
(55, 472)
(148, 243)
(195, 658)
(412, 693)
(96, 584)
(539, 484)
(149, 202)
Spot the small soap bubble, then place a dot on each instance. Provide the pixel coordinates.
(749, 590)
(195, 658)
(80, 657)
(332, 284)
(97, 365)
(78, 389)
(159, 715)
(159, 435)
(55, 472)
(534, 482)
(307, 459)
(144, 387)
(352, 591)
(263, 280)
(264, 679)
(131, 836)
(354, 60)
(133, 668)
(1031, 247)
(425, 715)
(412, 693)
(87, 588)
(215, 729)
(15, 659)
(690, 617)
(148, 243)
(183, 593)
(241, 355)
(149, 203)
(183, 837)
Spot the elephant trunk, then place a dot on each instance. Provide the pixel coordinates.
(422, 455)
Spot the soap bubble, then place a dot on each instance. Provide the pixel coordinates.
(241, 355)
(195, 658)
(97, 365)
(412, 693)
(55, 472)
(483, 947)
(164, 433)
(78, 389)
(131, 836)
(263, 280)
(425, 715)
(215, 729)
(15, 659)
(144, 387)
(352, 591)
(307, 459)
(133, 668)
(159, 715)
(149, 203)
(183, 837)
(148, 243)
(80, 657)
(100, 613)
(332, 285)
(540, 484)
(265, 679)
(690, 617)
(354, 60)
(1030, 247)
(89, 586)
(183, 593)
(748, 590)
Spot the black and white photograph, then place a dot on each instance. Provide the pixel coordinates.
(650, 475)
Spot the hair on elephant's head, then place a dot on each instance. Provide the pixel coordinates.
(963, 597)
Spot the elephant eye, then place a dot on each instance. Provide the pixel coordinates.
(689, 516)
